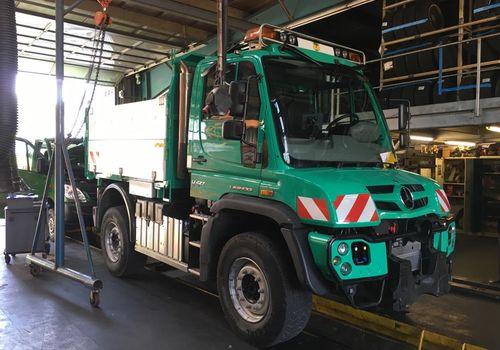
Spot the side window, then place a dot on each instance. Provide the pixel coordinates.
(210, 84)
(246, 71)
(22, 156)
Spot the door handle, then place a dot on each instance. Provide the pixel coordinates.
(199, 159)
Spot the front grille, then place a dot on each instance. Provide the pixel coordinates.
(380, 189)
(415, 188)
(389, 206)
(421, 202)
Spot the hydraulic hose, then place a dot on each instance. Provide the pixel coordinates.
(8, 98)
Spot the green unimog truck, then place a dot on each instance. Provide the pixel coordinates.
(293, 191)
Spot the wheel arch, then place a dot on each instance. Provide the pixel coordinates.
(234, 214)
(114, 195)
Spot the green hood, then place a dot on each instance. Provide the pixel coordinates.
(325, 185)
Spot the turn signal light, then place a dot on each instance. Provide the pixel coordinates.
(267, 193)
(253, 34)
(353, 56)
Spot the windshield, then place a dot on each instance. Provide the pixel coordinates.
(324, 115)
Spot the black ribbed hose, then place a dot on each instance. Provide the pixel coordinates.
(8, 98)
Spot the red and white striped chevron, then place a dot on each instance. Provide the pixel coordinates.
(312, 209)
(443, 201)
(94, 157)
(355, 208)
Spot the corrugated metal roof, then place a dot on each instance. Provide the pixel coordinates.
(143, 33)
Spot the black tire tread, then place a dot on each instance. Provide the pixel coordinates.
(298, 299)
(134, 261)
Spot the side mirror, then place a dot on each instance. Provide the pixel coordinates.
(219, 100)
(404, 140)
(403, 116)
(232, 129)
(41, 165)
(237, 91)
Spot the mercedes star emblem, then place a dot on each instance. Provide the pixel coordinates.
(407, 197)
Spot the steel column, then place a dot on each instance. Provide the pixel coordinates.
(59, 165)
(477, 109)
(61, 159)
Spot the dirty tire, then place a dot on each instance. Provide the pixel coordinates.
(50, 225)
(288, 303)
(119, 254)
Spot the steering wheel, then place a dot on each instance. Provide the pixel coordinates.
(353, 117)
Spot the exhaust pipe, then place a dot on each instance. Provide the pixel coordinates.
(8, 98)
(221, 40)
(184, 82)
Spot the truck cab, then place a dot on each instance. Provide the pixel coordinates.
(292, 189)
(33, 163)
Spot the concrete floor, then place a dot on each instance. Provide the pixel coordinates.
(153, 310)
(476, 258)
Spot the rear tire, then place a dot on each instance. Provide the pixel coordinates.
(260, 295)
(119, 254)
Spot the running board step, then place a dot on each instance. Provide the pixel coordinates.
(194, 271)
(196, 244)
(201, 217)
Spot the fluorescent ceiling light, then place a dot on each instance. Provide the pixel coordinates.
(421, 138)
(493, 128)
(460, 143)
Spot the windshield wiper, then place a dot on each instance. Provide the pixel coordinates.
(299, 53)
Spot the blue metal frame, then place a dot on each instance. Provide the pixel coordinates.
(60, 160)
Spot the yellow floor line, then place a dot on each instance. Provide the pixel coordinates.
(411, 335)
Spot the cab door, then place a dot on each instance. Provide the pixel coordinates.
(219, 165)
(32, 178)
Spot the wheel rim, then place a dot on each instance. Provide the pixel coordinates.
(51, 224)
(113, 243)
(249, 290)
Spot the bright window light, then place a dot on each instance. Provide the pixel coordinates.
(460, 143)
(493, 128)
(421, 138)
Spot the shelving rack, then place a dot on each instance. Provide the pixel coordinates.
(474, 190)
(465, 33)
(490, 196)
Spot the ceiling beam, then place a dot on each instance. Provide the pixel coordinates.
(194, 13)
(114, 44)
(127, 17)
(109, 29)
(212, 7)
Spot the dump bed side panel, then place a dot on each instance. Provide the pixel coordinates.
(129, 140)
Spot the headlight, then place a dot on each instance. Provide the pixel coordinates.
(345, 269)
(342, 249)
(68, 193)
(283, 37)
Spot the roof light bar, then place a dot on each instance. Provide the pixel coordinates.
(267, 32)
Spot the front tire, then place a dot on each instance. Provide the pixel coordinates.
(119, 254)
(261, 298)
(50, 227)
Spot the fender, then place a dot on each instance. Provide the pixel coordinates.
(292, 230)
(116, 194)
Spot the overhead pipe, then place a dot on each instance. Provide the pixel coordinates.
(8, 98)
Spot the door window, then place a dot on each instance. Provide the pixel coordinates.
(242, 72)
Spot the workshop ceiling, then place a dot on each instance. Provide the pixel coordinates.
(143, 33)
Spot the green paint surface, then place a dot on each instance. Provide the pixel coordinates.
(444, 241)
(319, 244)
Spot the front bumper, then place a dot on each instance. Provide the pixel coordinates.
(376, 276)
